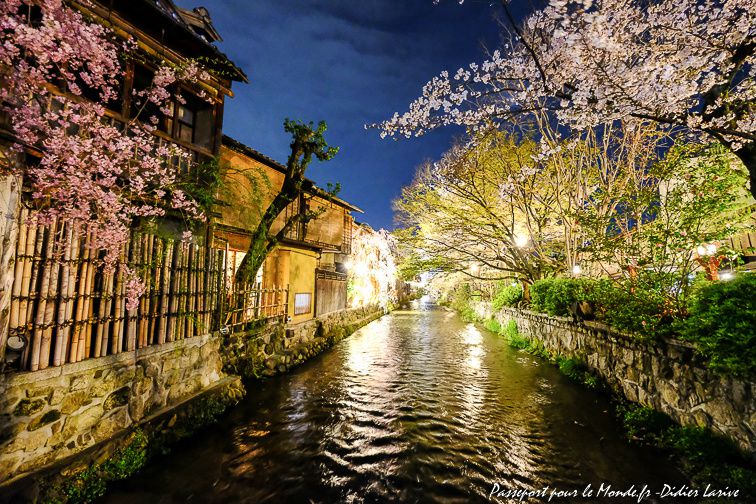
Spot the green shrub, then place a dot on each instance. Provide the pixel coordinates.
(492, 325)
(461, 303)
(555, 295)
(721, 323)
(643, 312)
(506, 295)
(705, 456)
(513, 336)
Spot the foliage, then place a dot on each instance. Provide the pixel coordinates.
(721, 324)
(506, 295)
(505, 203)
(91, 483)
(706, 457)
(556, 295)
(460, 302)
(512, 334)
(588, 63)
(639, 308)
(493, 325)
(665, 214)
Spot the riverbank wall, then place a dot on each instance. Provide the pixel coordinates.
(62, 419)
(669, 376)
(275, 348)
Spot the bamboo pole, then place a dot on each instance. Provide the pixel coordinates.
(132, 315)
(174, 295)
(157, 275)
(44, 268)
(210, 282)
(104, 314)
(33, 292)
(165, 287)
(60, 344)
(202, 294)
(66, 312)
(144, 300)
(87, 300)
(48, 319)
(23, 229)
(191, 325)
(79, 313)
(184, 290)
(120, 289)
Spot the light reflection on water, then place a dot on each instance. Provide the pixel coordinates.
(415, 407)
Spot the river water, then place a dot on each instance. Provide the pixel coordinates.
(417, 406)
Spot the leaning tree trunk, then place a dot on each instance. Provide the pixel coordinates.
(262, 243)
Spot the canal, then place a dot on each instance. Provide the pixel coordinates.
(415, 407)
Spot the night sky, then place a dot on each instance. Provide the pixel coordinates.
(349, 62)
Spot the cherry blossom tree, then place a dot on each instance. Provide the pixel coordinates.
(59, 72)
(686, 65)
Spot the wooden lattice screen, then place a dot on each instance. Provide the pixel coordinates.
(70, 307)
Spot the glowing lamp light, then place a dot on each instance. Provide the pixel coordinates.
(521, 240)
(707, 250)
(576, 270)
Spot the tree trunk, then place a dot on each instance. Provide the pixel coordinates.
(747, 155)
(262, 244)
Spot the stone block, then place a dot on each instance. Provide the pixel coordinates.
(28, 407)
(44, 419)
(82, 421)
(113, 423)
(80, 382)
(74, 401)
(118, 398)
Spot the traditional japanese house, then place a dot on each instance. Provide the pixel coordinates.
(163, 34)
(310, 260)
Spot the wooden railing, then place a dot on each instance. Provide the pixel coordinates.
(248, 304)
(69, 307)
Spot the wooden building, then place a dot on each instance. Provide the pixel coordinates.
(310, 261)
(62, 327)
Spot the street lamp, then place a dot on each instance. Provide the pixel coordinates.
(709, 260)
(520, 240)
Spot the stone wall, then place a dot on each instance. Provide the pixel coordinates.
(668, 376)
(273, 348)
(49, 415)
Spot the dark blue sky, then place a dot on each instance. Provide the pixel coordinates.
(349, 62)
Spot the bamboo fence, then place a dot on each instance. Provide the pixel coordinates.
(70, 307)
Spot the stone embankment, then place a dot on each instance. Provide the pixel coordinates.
(273, 349)
(669, 376)
(53, 417)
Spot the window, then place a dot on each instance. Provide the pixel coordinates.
(187, 118)
(195, 121)
(302, 303)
